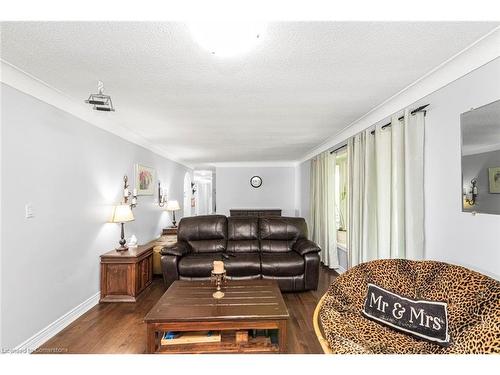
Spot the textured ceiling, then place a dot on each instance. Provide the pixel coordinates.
(303, 82)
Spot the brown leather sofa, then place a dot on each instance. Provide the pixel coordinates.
(251, 248)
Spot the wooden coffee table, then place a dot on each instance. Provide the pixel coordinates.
(247, 305)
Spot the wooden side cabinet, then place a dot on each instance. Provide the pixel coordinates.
(168, 238)
(124, 275)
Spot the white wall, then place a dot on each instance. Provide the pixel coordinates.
(234, 189)
(71, 172)
(451, 235)
(304, 183)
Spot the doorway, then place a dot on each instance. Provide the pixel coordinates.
(204, 192)
(187, 195)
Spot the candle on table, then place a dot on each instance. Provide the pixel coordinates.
(218, 266)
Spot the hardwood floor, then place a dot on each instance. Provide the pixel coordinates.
(119, 327)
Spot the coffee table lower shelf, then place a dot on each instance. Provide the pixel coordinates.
(227, 344)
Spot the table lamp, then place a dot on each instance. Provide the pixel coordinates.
(173, 206)
(122, 213)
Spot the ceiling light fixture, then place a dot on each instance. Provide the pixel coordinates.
(100, 101)
(227, 38)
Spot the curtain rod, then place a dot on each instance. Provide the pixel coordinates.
(338, 148)
(419, 109)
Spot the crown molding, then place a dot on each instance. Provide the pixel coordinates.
(479, 53)
(17, 78)
(261, 164)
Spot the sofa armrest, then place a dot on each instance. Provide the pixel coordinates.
(179, 249)
(305, 246)
(170, 269)
(311, 271)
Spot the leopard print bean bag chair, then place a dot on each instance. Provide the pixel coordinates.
(473, 308)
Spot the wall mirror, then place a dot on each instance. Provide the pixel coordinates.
(480, 129)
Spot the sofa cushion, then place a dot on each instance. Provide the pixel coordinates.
(208, 246)
(243, 264)
(198, 265)
(279, 234)
(282, 264)
(243, 246)
(242, 228)
(282, 228)
(205, 234)
(276, 246)
(242, 234)
(201, 265)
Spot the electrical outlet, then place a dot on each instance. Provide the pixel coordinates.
(29, 210)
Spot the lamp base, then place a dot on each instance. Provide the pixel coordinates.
(122, 248)
(122, 241)
(174, 223)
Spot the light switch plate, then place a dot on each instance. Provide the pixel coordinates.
(29, 210)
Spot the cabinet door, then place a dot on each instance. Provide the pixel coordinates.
(144, 273)
(139, 277)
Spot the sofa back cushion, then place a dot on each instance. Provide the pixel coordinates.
(205, 234)
(279, 234)
(242, 234)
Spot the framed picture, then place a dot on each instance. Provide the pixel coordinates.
(144, 180)
(494, 176)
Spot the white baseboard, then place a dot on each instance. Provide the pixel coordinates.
(340, 270)
(57, 326)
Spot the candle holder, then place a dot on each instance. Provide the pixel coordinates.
(218, 278)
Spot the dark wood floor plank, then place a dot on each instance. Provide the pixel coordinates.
(119, 327)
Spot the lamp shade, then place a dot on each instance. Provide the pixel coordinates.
(173, 206)
(121, 214)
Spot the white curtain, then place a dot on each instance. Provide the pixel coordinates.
(323, 227)
(386, 191)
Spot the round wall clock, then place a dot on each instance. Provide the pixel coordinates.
(256, 181)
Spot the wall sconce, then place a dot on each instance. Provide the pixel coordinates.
(470, 194)
(127, 195)
(193, 187)
(162, 196)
